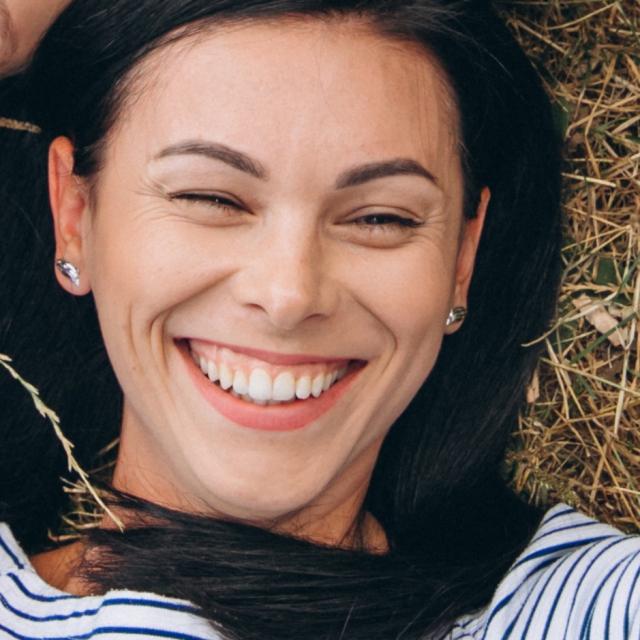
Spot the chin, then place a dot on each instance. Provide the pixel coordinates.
(263, 497)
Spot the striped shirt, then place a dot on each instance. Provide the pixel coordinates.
(578, 579)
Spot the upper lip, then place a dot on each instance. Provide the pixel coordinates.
(272, 357)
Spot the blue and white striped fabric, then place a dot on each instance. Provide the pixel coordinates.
(578, 579)
(30, 609)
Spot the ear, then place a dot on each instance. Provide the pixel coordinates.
(469, 241)
(69, 198)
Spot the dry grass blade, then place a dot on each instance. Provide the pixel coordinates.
(19, 125)
(52, 417)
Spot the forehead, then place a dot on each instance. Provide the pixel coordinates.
(292, 88)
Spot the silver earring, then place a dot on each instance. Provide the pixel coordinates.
(69, 270)
(457, 314)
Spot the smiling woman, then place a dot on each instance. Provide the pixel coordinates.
(282, 211)
(289, 241)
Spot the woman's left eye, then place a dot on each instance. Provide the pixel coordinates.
(385, 222)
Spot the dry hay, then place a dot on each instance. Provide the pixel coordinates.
(579, 439)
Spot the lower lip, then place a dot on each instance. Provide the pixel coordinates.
(284, 417)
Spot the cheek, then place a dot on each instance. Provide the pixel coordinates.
(407, 289)
(410, 295)
(145, 259)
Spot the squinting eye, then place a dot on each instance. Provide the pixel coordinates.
(383, 222)
(209, 199)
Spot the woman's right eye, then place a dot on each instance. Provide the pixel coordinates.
(208, 199)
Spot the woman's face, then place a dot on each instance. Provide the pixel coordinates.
(284, 202)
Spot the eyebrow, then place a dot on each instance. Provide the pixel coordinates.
(216, 151)
(349, 178)
(376, 170)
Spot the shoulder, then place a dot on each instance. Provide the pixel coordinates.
(577, 578)
(30, 608)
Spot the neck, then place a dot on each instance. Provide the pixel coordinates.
(59, 568)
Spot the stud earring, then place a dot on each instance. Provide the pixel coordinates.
(457, 314)
(69, 270)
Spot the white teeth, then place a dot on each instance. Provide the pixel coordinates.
(259, 388)
(260, 385)
(284, 387)
(226, 377)
(240, 383)
(212, 371)
(317, 385)
(303, 388)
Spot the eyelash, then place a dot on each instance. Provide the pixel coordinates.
(226, 205)
(392, 221)
(218, 202)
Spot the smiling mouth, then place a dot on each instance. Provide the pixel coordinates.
(265, 384)
(266, 396)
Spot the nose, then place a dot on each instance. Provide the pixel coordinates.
(288, 280)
